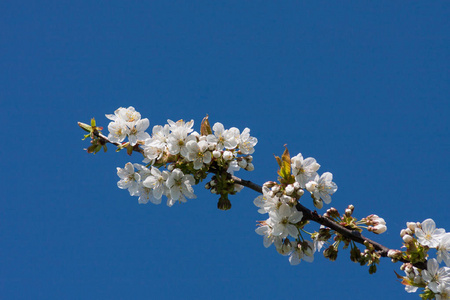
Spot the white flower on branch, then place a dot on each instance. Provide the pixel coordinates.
(428, 235)
(436, 276)
(198, 153)
(323, 187)
(118, 131)
(180, 187)
(222, 138)
(128, 115)
(443, 250)
(247, 142)
(284, 220)
(129, 179)
(157, 183)
(302, 251)
(304, 170)
(137, 131)
(269, 238)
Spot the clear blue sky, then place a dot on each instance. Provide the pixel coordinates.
(363, 87)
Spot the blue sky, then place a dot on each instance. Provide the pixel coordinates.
(362, 87)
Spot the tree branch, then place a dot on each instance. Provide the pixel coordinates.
(307, 213)
(315, 217)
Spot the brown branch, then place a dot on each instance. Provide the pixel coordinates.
(315, 217)
(105, 139)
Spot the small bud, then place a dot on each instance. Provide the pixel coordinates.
(394, 254)
(242, 163)
(311, 186)
(297, 185)
(275, 188)
(216, 153)
(411, 225)
(407, 238)
(227, 155)
(269, 184)
(249, 158)
(318, 203)
(289, 189)
(379, 229)
(250, 167)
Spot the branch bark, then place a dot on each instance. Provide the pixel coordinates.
(315, 217)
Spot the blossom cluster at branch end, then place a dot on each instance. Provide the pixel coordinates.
(418, 238)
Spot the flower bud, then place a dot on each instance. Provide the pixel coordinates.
(311, 186)
(250, 167)
(249, 158)
(289, 189)
(300, 192)
(379, 229)
(242, 163)
(276, 188)
(297, 185)
(216, 153)
(407, 238)
(269, 184)
(227, 155)
(411, 226)
(318, 203)
(395, 254)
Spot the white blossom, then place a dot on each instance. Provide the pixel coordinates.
(157, 183)
(443, 250)
(180, 187)
(222, 138)
(428, 235)
(269, 238)
(304, 170)
(129, 179)
(118, 131)
(305, 252)
(323, 187)
(137, 131)
(284, 219)
(247, 142)
(198, 153)
(435, 276)
(128, 115)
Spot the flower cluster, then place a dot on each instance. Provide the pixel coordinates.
(418, 239)
(127, 122)
(185, 155)
(280, 200)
